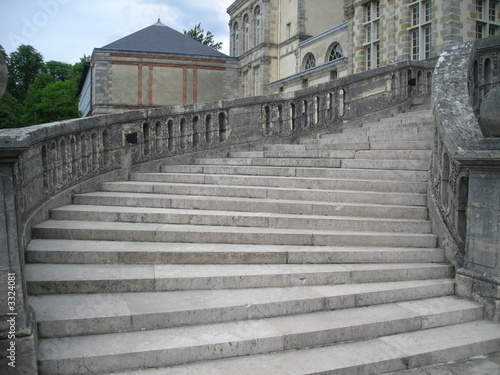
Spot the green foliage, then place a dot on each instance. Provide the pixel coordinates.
(37, 91)
(10, 111)
(55, 101)
(24, 66)
(197, 33)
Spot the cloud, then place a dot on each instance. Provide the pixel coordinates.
(65, 30)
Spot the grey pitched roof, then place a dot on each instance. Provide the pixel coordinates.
(161, 39)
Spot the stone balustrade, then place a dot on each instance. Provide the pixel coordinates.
(465, 175)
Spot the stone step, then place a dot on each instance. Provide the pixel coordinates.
(84, 314)
(271, 162)
(309, 154)
(322, 156)
(334, 144)
(119, 278)
(326, 144)
(396, 135)
(110, 198)
(376, 128)
(423, 155)
(86, 230)
(415, 117)
(376, 356)
(277, 193)
(288, 176)
(410, 165)
(394, 328)
(125, 214)
(118, 252)
(246, 154)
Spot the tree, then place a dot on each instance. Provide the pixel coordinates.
(39, 92)
(197, 33)
(24, 66)
(10, 111)
(55, 101)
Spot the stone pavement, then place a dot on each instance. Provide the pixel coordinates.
(480, 365)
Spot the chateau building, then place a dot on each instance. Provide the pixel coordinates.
(156, 66)
(277, 46)
(285, 45)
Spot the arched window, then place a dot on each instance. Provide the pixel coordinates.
(310, 62)
(335, 52)
(258, 21)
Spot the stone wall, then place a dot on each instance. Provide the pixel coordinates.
(465, 182)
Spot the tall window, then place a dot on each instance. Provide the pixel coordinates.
(372, 34)
(420, 31)
(236, 39)
(258, 21)
(246, 25)
(258, 88)
(310, 62)
(488, 21)
(246, 91)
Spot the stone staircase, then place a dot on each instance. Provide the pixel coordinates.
(315, 257)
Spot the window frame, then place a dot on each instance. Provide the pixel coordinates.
(421, 29)
(487, 18)
(335, 52)
(309, 61)
(371, 27)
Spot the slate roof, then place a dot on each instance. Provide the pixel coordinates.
(161, 39)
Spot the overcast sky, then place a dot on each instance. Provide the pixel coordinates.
(66, 30)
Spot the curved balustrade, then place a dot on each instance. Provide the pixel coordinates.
(465, 173)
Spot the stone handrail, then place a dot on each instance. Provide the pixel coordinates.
(43, 166)
(465, 174)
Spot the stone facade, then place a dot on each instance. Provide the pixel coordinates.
(369, 33)
(135, 81)
(173, 70)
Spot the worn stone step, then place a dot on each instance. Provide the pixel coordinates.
(382, 355)
(393, 327)
(127, 214)
(325, 144)
(246, 154)
(118, 252)
(83, 314)
(271, 162)
(110, 198)
(278, 176)
(117, 278)
(376, 128)
(346, 196)
(410, 165)
(386, 145)
(396, 135)
(312, 178)
(84, 230)
(423, 155)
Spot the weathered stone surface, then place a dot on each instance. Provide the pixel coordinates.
(490, 112)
